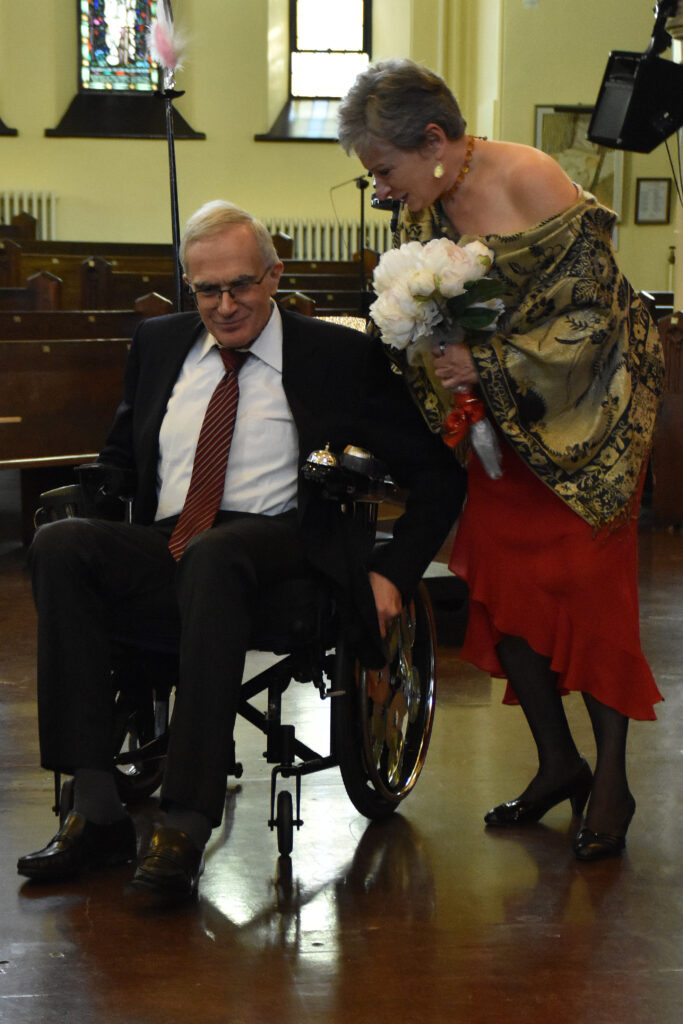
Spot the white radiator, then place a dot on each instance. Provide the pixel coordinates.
(40, 204)
(331, 239)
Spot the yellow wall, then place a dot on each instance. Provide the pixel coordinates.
(500, 56)
(556, 53)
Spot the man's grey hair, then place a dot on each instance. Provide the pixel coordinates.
(212, 217)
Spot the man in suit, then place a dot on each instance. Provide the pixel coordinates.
(302, 384)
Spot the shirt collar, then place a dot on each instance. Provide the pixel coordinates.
(268, 345)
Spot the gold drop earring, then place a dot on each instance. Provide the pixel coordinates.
(438, 170)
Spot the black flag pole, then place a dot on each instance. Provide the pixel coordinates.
(164, 49)
(169, 96)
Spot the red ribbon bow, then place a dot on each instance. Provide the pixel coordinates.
(467, 409)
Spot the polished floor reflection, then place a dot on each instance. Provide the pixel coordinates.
(426, 918)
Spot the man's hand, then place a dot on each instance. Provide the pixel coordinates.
(387, 601)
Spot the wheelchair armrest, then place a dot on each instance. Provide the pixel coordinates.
(352, 475)
(102, 492)
(106, 489)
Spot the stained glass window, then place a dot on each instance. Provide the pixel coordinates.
(113, 45)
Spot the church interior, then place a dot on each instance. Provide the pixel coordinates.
(426, 915)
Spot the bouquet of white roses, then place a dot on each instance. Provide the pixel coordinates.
(436, 294)
(437, 288)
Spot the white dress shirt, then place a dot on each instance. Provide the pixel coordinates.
(263, 461)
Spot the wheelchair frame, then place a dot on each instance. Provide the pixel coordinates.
(380, 721)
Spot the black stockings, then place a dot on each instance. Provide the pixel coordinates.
(611, 803)
(535, 686)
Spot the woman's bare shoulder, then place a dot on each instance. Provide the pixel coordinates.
(535, 183)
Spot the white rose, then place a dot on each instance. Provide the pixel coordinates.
(394, 264)
(428, 314)
(395, 313)
(480, 256)
(421, 282)
(450, 264)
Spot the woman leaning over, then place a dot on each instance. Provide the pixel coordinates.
(570, 377)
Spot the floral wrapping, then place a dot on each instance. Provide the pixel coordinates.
(573, 372)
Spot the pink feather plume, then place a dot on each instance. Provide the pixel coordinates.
(164, 43)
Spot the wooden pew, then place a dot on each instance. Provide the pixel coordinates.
(18, 263)
(33, 325)
(338, 303)
(43, 291)
(284, 244)
(667, 453)
(112, 277)
(319, 282)
(58, 394)
(296, 301)
(108, 250)
(346, 268)
(660, 304)
(57, 400)
(105, 286)
(22, 225)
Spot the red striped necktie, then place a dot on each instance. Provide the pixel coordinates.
(211, 457)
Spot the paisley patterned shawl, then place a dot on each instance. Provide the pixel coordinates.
(573, 373)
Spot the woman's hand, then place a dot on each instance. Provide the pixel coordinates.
(455, 367)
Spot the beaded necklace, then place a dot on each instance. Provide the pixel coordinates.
(450, 192)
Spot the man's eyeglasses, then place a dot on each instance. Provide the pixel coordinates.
(211, 294)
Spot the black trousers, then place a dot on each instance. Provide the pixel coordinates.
(95, 581)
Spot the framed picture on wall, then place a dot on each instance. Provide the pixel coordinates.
(653, 200)
(562, 132)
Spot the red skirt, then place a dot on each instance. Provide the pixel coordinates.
(536, 570)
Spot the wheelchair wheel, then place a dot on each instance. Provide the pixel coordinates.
(284, 822)
(139, 719)
(382, 722)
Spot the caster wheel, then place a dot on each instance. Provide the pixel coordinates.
(284, 823)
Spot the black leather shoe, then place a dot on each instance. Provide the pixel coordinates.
(520, 812)
(590, 845)
(171, 866)
(81, 845)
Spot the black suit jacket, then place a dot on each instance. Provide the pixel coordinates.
(341, 389)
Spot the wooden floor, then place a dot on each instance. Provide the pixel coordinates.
(428, 918)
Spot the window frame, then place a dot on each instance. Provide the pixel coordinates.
(293, 48)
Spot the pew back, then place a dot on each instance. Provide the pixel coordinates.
(57, 399)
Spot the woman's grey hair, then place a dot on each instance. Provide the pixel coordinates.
(212, 217)
(394, 101)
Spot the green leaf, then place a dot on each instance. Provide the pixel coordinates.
(477, 318)
(483, 290)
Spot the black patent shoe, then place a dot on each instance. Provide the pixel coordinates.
(590, 845)
(81, 845)
(172, 865)
(521, 812)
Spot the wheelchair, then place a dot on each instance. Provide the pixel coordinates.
(380, 720)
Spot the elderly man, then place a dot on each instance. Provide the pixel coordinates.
(220, 408)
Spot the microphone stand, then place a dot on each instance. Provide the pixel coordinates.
(361, 184)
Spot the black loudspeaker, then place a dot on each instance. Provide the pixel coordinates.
(640, 102)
